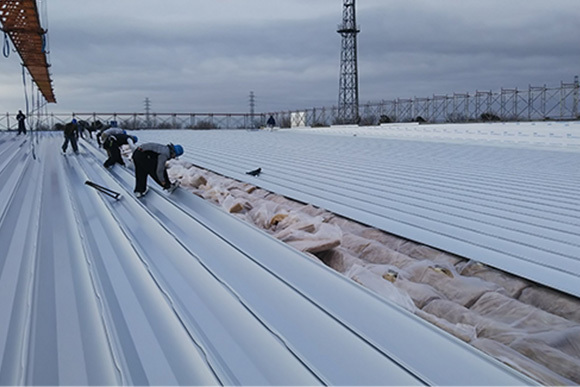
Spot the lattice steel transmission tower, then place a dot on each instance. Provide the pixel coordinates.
(348, 84)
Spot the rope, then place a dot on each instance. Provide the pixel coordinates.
(25, 92)
(28, 110)
(6, 46)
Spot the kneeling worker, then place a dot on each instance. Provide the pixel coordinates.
(149, 160)
(113, 147)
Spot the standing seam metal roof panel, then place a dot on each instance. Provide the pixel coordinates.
(467, 199)
(109, 292)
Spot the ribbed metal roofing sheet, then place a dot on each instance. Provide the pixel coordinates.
(167, 291)
(513, 206)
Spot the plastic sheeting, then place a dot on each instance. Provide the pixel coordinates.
(531, 328)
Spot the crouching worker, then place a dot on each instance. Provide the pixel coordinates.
(113, 147)
(149, 160)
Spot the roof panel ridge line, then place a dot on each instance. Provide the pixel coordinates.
(409, 369)
(33, 257)
(177, 312)
(120, 180)
(94, 285)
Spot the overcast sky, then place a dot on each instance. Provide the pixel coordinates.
(207, 55)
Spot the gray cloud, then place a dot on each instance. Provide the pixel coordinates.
(207, 56)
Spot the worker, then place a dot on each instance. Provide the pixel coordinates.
(103, 134)
(21, 122)
(71, 134)
(149, 160)
(113, 146)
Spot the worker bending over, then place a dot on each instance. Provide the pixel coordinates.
(113, 145)
(149, 160)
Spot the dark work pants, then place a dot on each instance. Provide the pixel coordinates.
(146, 165)
(73, 141)
(21, 127)
(114, 153)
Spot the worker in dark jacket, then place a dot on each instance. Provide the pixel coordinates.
(149, 160)
(113, 147)
(103, 134)
(21, 122)
(71, 134)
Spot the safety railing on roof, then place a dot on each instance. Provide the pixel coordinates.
(138, 121)
(532, 104)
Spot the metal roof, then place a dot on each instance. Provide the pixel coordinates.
(20, 20)
(172, 290)
(511, 203)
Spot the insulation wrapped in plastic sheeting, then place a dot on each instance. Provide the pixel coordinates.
(235, 205)
(506, 320)
(460, 289)
(462, 331)
(380, 286)
(214, 193)
(311, 210)
(375, 252)
(417, 276)
(312, 235)
(422, 252)
(339, 259)
(187, 174)
(484, 327)
(391, 241)
(552, 301)
(284, 201)
(193, 181)
(536, 347)
(347, 225)
(518, 315)
(410, 248)
(565, 340)
(521, 363)
(263, 211)
(452, 312)
(421, 294)
(512, 285)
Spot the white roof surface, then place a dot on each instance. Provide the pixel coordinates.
(172, 290)
(507, 195)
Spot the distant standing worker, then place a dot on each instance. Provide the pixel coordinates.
(113, 147)
(21, 122)
(149, 160)
(71, 134)
(271, 122)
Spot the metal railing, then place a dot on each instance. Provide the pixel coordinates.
(137, 121)
(532, 104)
